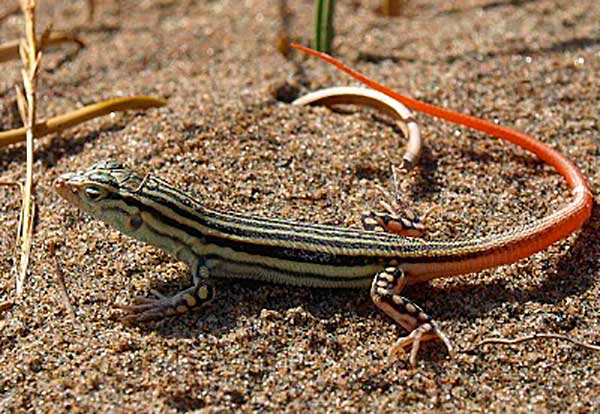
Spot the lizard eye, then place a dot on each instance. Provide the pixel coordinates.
(94, 193)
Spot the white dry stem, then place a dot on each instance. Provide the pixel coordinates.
(27, 105)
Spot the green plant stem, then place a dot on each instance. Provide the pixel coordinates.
(324, 32)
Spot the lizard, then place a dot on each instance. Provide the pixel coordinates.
(222, 244)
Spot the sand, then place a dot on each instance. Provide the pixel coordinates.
(225, 136)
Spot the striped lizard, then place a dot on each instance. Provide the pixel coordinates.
(221, 244)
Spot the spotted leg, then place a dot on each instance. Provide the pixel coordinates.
(397, 218)
(201, 293)
(408, 224)
(421, 327)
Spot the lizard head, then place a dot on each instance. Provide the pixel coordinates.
(105, 191)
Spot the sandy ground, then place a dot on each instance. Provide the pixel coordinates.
(225, 136)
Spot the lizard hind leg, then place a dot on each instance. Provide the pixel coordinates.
(397, 217)
(421, 327)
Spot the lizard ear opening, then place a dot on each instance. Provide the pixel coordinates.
(135, 222)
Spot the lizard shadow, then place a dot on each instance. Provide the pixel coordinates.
(576, 270)
(470, 152)
(225, 311)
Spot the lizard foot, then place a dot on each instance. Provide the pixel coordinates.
(426, 332)
(144, 309)
(384, 292)
(397, 217)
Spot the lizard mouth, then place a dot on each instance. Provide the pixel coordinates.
(66, 189)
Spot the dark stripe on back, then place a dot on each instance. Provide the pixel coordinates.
(316, 244)
(241, 218)
(285, 253)
(291, 236)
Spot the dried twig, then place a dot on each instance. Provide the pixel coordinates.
(60, 280)
(502, 341)
(91, 10)
(283, 37)
(9, 12)
(70, 119)
(392, 7)
(10, 50)
(4, 306)
(31, 57)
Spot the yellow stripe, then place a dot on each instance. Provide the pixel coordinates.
(202, 249)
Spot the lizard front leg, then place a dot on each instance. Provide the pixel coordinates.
(198, 295)
(385, 290)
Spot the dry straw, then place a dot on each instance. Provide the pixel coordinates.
(31, 58)
(29, 48)
(11, 50)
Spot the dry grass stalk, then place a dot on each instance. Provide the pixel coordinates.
(31, 57)
(70, 119)
(10, 50)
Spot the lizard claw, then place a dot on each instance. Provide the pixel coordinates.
(426, 332)
(144, 309)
